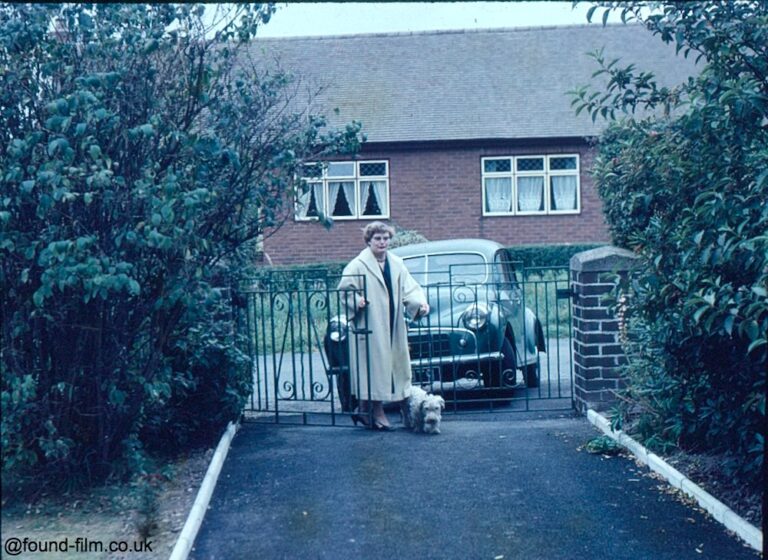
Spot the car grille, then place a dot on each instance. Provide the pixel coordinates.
(429, 345)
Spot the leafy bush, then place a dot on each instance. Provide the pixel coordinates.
(142, 158)
(212, 380)
(687, 193)
(405, 237)
(534, 256)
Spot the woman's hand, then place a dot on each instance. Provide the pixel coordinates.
(423, 310)
(362, 302)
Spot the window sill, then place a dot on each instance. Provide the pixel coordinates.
(342, 218)
(531, 214)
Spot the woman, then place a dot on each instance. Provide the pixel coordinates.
(382, 290)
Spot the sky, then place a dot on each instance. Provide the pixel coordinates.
(298, 19)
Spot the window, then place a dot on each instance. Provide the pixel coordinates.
(531, 185)
(344, 190)
(457, 268)
(445, 268)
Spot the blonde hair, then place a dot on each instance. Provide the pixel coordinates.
(376, 227)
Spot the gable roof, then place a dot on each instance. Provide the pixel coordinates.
(463, 85)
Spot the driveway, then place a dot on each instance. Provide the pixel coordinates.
(491, 486)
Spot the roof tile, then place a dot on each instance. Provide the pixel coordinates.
(462, 85)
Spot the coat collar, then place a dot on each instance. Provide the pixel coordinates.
(369, 261)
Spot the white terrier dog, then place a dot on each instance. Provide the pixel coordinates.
(424, 411)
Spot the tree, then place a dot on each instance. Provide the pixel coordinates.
(685, 188)
(143, 154)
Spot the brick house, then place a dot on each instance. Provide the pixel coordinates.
(469, 134)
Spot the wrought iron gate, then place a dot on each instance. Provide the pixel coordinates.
(302, 337)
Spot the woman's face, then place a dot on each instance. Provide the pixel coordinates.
(379, 244)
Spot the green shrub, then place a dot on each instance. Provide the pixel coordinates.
(687, 193)
(282, 273)
(405, 237)
(211, 381)
(139, 163)
(535, 256)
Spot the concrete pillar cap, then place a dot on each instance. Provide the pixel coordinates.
(604, 259)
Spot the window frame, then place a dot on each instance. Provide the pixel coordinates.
(356, 178)
(546, 173)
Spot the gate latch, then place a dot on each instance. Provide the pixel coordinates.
(566, 293)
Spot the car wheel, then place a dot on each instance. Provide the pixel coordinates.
(492, 376)
(531, 374)
(508, 364)
(503, 375)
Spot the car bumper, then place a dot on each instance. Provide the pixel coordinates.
(458, 360)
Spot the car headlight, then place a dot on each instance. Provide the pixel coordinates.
(475, 317)
(337, 329)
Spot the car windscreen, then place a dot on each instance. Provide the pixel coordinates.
(457, 268)
(417, 266)
(444, 268)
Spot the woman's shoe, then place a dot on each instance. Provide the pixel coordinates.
(362, 419)
(379, 427)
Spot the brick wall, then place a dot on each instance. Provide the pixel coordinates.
(436, 190)
(597, 352)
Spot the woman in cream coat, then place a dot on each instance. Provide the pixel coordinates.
(390, 291)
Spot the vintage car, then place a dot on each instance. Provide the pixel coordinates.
(478, 333)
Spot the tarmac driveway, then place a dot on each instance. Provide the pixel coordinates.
(490, 487)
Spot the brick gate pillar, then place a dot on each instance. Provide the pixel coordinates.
(597, 351)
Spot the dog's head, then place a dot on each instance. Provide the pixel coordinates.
(431, 412)
(432, 404)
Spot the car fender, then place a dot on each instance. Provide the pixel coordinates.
(533, 326)
(525, 346)
(532, 338)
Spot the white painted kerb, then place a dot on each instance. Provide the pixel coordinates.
(717, 509)
(188, 534)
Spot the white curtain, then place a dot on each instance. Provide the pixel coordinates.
(530, 194)
(302, 204)
(379, 189)
(333, 193)
(364, 189)
(349, 192)
(564, 193)
(305, 200)
(498, 194)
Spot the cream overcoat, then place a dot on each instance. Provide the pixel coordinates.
(386, 358)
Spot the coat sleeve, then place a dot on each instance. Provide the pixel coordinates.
(351, 288)
(413, 295)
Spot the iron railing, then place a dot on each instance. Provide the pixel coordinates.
(300, 351)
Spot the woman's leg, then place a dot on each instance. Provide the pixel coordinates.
(376, 410)
(405, 413)
(379, 415)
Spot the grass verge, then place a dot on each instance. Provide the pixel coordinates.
(141, 525)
